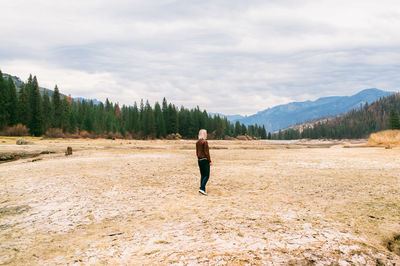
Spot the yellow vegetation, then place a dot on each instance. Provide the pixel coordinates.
(385, 138)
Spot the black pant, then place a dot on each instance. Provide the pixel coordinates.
(204, 166)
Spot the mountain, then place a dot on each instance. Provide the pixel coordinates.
(95, 101)
(229, 117)
(357, 123)
(284, 116)
(17, 81)
(234, 117)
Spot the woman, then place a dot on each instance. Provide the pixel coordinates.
(204, 161)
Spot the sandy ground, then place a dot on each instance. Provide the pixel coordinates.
(136, 202)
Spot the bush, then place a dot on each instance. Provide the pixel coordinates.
(74, 135)
(174, 136)
(118, 135)
(128, 136)
(84, 134)
(112, 135)
(137, 135)
(17, 130)
(54, 133)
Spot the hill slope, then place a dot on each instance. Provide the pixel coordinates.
(355, 124)
(283, 116)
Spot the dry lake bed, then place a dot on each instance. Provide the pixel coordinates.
(136, 202)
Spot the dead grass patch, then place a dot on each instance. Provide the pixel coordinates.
(385, 138)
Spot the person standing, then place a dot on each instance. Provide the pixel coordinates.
(204, 160)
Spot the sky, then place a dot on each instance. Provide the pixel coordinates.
(229, 57)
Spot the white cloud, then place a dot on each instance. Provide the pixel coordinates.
(225, 56)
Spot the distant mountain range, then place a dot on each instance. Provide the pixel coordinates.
(286, 115)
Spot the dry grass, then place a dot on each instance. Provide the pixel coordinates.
(385, 138)
(136, 202)
(54, 133)
(16, 130)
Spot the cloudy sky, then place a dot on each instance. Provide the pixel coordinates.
(231, 57)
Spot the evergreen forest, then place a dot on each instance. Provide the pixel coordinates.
(42, 113)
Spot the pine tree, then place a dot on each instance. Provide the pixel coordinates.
(86, 122)
(3, 102)
(263, 133)
(135, 119)
(159, 121)
(57, 108)
(184, 117)
(116, 121)
(65, 116)
(124, 119)
(141, 116)
(36, 122)
(46, 112)
(24, 109)
(238, 129)
(98, 116)
(219, 128)
(109, 114)
(12, 103)
(164, 110)
(394, 121)
(243, 129)
(149, 125)
(172, 123)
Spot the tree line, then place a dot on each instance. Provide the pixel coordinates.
(40, 112)
(357, 123)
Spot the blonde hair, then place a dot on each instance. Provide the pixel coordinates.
(203, 134)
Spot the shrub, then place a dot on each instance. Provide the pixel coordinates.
(54, 133)
(128, 136)
(17, 130)
(84, 134)
(137, 135)
(112, 135)
(174, 136)
(118, 135)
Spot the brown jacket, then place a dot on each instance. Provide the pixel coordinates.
(202, 149)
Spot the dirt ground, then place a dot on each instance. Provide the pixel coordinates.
(137, 202)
